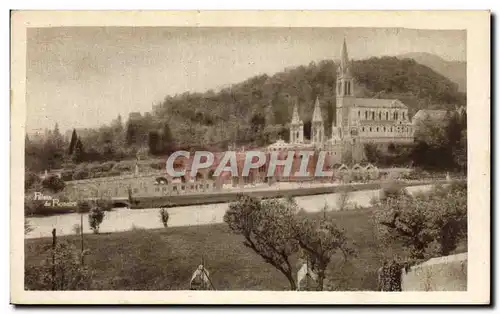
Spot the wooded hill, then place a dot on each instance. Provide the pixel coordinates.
(255, 110)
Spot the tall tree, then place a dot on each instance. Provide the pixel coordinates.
(72, 143)
(154, 143)
(267, 229)
(79, 152)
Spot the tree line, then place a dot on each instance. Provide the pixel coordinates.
(255, 112)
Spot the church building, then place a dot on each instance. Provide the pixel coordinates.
(358, 121)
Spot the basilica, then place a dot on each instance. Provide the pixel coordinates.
(358, 121)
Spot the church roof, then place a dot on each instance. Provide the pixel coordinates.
(379, 103)
(295, 115)
(317, 112)
(344, 59)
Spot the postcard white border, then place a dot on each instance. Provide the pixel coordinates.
(477, 25)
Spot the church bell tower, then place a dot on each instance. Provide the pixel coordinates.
(344, 91)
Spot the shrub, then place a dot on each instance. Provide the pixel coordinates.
(437, 216)
(164, 217)
(96, 216)
(81, 174)
(54, 184)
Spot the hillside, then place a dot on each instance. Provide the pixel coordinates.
(454, 70)
(253, 111)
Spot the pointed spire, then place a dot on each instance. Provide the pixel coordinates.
(317, 112)
(295, 115)
(344, 58)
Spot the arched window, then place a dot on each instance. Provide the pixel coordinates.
(377, 129)
(384, 128)
(345, 88)
(396, 113)
(366, 115)
(363, 129)
(387, 115)
(380, 115)
(373, 115)
(359, 113)
(370, 129)
(403, 115)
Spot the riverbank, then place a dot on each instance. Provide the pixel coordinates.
(275, 191)
(229, 194)
(164, 259)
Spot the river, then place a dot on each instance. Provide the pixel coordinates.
(124, 219)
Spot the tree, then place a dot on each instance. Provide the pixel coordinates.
(53, 183)
(164, 216)
(96, 216)
(321, 239)
(154, 143)
(267, 229)
(437, 216)
(79, 152)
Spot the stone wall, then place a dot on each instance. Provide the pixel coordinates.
(447, 273)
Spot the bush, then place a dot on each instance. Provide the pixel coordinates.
(438, 216)
(96, 216)
(81, 174)
(164, 217)
(54, 184)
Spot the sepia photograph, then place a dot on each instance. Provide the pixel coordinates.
(203, 158)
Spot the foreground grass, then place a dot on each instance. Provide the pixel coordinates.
(164, 259)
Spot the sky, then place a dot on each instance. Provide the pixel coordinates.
(83, 77)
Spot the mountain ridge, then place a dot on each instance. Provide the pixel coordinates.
(454, 70)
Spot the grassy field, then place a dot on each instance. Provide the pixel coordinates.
(164, 259)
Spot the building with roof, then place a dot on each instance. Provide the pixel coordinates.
(358, 121)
